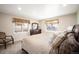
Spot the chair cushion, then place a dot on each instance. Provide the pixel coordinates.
(6, 40)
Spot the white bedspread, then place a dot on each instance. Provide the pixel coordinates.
(38, 44)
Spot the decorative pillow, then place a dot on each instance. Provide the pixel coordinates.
(69, 29)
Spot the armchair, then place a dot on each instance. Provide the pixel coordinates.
(4, 39)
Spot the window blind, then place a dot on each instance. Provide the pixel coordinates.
(19, 20)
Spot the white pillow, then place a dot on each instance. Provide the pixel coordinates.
(49, 36)
(69, 29)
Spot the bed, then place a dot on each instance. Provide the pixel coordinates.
(38, 44)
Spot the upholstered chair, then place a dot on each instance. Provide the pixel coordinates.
(4, 39)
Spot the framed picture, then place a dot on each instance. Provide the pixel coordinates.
(34, 26)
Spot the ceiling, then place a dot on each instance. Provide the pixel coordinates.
(38, 11)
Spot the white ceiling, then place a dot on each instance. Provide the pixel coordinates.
(38, 11)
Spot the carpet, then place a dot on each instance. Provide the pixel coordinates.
(12, 48)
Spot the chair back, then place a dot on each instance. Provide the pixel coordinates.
(75, 30)
(2, 35)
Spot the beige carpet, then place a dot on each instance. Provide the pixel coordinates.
(12, 48)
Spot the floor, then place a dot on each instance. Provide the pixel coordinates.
(12, 48)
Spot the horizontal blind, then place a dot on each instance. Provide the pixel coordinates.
(19, 20)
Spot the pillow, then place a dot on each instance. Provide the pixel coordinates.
(69, 29)
(52, 38)
(49, 36)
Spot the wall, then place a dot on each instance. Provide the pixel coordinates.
(64, 22)
(78, 17)
(7, 26)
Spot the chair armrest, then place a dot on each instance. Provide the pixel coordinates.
(7, 36)
(3, 40)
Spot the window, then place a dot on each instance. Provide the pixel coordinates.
(18, 27)
(21, 25)
(25, 27)
(52, 24)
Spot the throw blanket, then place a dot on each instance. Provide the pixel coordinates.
(70, 45)
(65, 45)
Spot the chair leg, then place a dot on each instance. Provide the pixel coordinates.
(4, 42)
(5, 45)
(12, 39)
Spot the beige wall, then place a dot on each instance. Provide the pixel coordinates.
(64, 22)
(68, 20)
(7, 26)
(78, 17)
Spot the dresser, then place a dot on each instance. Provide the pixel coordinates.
(36, 31)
